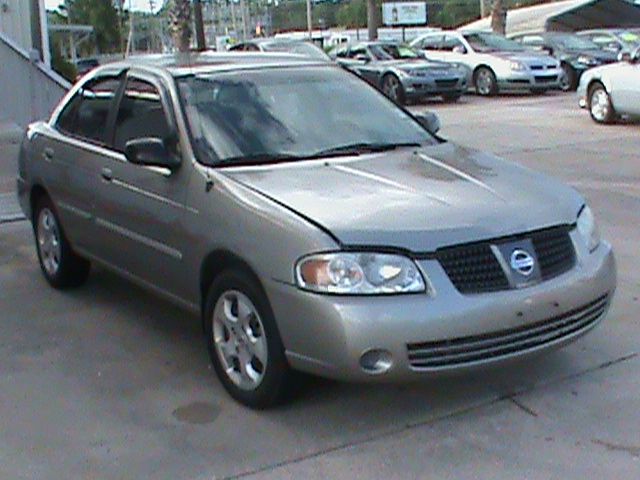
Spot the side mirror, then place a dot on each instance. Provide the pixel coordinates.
(361, 57)
(547, 49)
(429, 121)
(150, 152)
(459, 49)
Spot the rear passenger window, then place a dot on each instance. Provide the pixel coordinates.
(86, 114)
(431, 43)
(140, 115)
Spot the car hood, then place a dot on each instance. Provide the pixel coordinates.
(600, 55)
(415, 199)
(526, 57)
(417, 64)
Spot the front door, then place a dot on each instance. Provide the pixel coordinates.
(140, 210)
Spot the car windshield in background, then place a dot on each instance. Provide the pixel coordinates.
(629, 37)
(288, 114)
(397, 52)
(574, 42)
(490, 42)
(301, 48)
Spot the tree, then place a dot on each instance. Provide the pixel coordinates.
(372, 19)
(102, 16)
(180, 24)
(498, 17)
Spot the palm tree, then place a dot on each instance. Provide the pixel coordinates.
(498, 17)
(372, 19)
(180, 24)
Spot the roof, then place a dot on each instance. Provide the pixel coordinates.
(528, 19)
(205, 62)
(567, 15)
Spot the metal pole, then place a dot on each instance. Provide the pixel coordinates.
(309, 20)
(483, 9)
(243, 16)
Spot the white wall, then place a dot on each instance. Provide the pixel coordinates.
(15, 22)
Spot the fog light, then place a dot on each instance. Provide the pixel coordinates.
(376, 361)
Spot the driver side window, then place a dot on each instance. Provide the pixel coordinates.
(359, 52)
(141, 114)
(451, 42)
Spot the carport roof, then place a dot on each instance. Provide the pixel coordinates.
(568, 15)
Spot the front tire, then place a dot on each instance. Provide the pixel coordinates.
(392, 88)
(600, 107)
(60, 265)
(568, 79)
(485, 82)
(244, 343)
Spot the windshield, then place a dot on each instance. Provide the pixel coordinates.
(629, 37)
(387, 51)
(290, 113)
(490, 42)
(301, 48)
(574, 42)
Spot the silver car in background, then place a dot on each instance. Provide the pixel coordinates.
(495, 63)
(312, 223)
(612, 91)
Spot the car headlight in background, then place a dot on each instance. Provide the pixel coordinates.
(588, 228)
(359, 273)
(585, 60)
(516, 66)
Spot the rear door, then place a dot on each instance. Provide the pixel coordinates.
(139, 209)
(73, 153)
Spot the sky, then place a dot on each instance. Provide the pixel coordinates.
(136, 5)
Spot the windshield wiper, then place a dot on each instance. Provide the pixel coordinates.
(342, 150)
(257, 159)
(361, 148)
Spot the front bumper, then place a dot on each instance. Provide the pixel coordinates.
(529, 79)
(417, 87)
(327, 335)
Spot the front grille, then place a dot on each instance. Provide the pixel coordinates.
(461, 351)
(474, 268)
(537, 67)
(447, 83)
(554, 250)
(550, 79)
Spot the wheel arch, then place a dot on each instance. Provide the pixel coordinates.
(216, 262)
(482, 65)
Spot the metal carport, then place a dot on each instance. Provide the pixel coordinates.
(596, 14)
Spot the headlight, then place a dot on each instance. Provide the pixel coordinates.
(587, 60)
(588, 228)
(412, 73)
(360, 273)
(517, 66)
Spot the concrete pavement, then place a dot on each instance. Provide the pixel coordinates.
(108, 382)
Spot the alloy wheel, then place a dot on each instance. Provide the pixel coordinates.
(239, 340)
(484, 82)
(391, 88)
(600, 105)
(49, 243)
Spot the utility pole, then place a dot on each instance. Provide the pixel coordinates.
(243, 16)
(201, 42)
(483, 9)
(309, 20)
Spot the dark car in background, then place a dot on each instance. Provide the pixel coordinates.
(402, 72)
(614, 39)
(297, 47)
(576, 54)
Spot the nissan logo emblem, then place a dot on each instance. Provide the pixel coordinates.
(522, 262)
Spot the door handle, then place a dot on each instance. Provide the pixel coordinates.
(48, 154)
(107, 174)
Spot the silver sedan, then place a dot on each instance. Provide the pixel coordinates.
(612, 91)
(310, 222)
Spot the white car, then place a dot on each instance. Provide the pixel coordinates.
(496, 63)
(612, 91)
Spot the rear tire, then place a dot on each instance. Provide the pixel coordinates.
(485, 82)
(600, 107)
(244, 342)
(60, 265)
